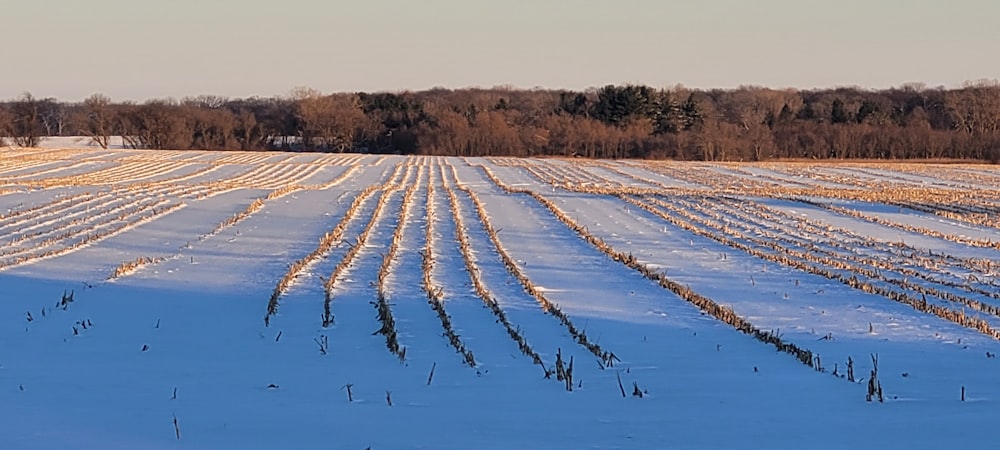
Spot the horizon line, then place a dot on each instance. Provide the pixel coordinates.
(512, 87)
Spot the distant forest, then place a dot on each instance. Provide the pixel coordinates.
(615, 121)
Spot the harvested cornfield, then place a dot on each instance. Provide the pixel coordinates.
(263, 299)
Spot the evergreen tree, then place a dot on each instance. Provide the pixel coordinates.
(574, 104)
(807, 112)
(691, 113)
(665, 114)
(770, 119)
(838, 114)
(619, 105)
(785, 115)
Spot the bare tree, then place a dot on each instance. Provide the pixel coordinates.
(98, 119)
(750, 108)
(247, 131)
(310, 107)
(344, 123)
(4, 125)
(449, 133)
(332, 121)
(26, 126)
(211, 128)
(159, 124)
(54, 116)
(976, 107)
(126, 124)
(747, 123)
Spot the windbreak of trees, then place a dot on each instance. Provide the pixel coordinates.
(631, 121)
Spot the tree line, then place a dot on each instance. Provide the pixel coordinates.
(750, 123)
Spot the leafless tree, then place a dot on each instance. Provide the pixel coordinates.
(210, 127)
(54, 116)
(747, 123)
(159, 125)
(247, 131)
(330, 121)
(97, 121)
(4, 125)
(976, 107)
(26, 126)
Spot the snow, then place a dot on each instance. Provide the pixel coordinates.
(184, 337)
(62, 142)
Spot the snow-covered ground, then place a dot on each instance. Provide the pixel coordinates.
(199, 285)
(60, 142)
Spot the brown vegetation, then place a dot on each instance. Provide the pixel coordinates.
(743, 124)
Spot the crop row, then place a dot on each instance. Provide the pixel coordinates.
(987, 243)
(385, 317)
(43, 237)
(435, 295)
(803, 261)
(93, 235)
(835, 255)
(42, 168)
(258, 203)
(514, 269)
(937, 268)
(326, 242)
(707, 305)
(35, 211)
(484, 294)
(128, 267)
(329, 284)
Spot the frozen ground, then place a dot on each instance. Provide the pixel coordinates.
(173, 259)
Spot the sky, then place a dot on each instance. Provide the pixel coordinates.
(142, 49)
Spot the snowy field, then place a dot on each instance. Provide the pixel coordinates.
(157, 299)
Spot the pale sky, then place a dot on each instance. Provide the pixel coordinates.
(140, 49)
